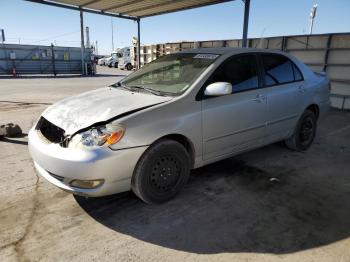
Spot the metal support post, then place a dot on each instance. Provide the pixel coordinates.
(82, 51)
(246, 22)
(138, 45)
(53, 60)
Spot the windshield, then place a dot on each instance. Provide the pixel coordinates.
(116, 55)
(171, 74)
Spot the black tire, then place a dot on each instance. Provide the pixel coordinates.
(129, 67)
(304, 132)
(116, 65)
(161, 172)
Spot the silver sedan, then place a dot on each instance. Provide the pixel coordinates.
(180, 112)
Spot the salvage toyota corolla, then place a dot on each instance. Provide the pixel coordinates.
(180, 112)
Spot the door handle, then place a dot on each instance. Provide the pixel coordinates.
(259, 98)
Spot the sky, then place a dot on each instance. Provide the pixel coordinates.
(30, 23)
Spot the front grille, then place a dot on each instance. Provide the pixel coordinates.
(52, 133)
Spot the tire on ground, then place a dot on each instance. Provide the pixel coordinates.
(295, 142)
(165, 162)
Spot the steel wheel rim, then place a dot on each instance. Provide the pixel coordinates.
(306, 131)
(165, 174)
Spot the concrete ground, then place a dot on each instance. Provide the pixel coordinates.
(270, 204)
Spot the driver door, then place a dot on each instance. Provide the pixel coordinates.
(235, 122)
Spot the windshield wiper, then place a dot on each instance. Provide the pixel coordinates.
(150, 90)
(119, 84)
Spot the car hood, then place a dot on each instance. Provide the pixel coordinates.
(79, 112)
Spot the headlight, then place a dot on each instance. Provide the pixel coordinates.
(106, 135)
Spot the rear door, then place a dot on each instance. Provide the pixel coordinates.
(285, 92)
(235, 122)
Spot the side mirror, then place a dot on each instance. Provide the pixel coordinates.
(218, 89)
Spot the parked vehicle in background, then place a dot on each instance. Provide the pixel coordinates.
(101, 61)
(114, 60)
(107, 61)
(125, 61)
(180, 112)
(114, 64)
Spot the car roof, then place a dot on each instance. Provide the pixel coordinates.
(229, 50)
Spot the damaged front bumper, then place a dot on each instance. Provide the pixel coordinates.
(107, 171)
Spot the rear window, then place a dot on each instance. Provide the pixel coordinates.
(279, 70)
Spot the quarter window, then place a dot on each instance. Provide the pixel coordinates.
(297, 74)
(279, 70)
(240, 71)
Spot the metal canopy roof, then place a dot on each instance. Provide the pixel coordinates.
(135, 10)
(130, 9)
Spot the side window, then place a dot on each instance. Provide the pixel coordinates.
(297, 74)
(240, 71)
(278, 69)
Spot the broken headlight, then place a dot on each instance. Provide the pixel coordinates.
(105, 135)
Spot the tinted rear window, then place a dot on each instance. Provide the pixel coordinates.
(278, 69)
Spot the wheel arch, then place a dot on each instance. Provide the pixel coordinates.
(314, 108)
(183, 140)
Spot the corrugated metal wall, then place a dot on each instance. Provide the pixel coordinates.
(326, 52)
(33, 59)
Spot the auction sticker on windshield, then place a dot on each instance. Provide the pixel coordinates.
(206, 56)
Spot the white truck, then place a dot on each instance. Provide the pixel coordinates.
(125, 61)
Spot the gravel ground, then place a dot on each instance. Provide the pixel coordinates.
(270, 204)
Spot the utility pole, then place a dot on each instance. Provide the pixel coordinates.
(87, 37)
(112, 34)
(96, 48)
(82, 51)
(2, 35)
(312, 17)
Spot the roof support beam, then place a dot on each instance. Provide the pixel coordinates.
(184, 8)
(82, 9)
(166, 2)
(245, 23)
(90, 2)
(121, 5)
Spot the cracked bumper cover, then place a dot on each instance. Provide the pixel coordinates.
(115, 167)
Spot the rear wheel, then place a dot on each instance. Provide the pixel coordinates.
(304, 133)
(129, 67)
(116, 65)
(161, 172)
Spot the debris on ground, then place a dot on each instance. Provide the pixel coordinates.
(10, 130)
(274, 180)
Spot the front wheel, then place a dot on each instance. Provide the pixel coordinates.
(161, 172)
(304, 132)
(129, 67)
